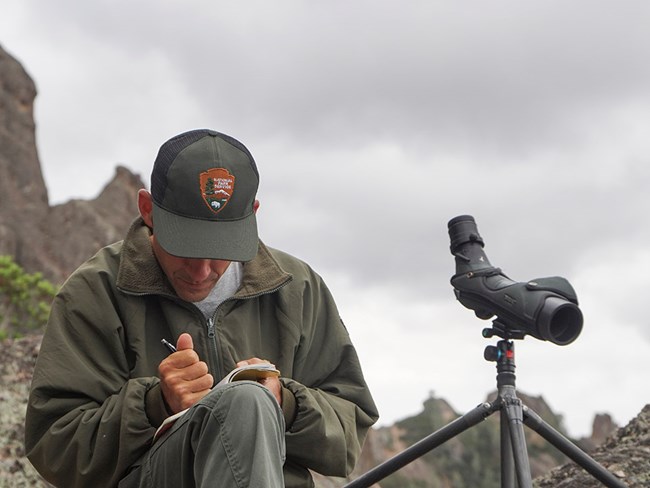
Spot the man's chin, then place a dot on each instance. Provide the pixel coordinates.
(193, 294)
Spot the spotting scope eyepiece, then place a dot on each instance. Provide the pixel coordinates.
(545, 308)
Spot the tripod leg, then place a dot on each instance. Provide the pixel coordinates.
(508, 479)
(536, 423)
(440, 436)
(514, 413)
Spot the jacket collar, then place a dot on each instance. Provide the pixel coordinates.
(140, 274)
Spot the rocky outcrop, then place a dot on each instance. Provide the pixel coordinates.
(51, 240)
(16, 366)
(602, 427)
(23, 195)
(626, 454)
(76, 229)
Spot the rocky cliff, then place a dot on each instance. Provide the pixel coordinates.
(51, 239)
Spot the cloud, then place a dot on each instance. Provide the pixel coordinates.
(504, 77)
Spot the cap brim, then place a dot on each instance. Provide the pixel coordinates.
(235, 240)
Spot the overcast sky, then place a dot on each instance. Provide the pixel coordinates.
(373, 124)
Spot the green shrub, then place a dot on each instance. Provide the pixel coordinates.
(24, 299)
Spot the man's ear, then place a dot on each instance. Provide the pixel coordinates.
(256, 205)
(145, 206)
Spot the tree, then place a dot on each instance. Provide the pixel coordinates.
(25, 299)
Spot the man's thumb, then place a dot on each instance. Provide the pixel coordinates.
(184, 342)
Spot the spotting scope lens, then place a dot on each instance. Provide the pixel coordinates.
(559, 321)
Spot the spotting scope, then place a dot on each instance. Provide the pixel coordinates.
(545, 308)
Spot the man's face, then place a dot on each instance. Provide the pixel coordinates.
(192, 279)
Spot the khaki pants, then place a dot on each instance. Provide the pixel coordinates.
(233, 437)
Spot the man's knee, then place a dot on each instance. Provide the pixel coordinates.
(243, 400)
(244, 392)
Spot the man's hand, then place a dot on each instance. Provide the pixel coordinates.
(184, 379)
(272, 382)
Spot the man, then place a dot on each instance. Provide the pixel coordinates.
(192, 270)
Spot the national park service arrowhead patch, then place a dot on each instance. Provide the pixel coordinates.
(217, 185)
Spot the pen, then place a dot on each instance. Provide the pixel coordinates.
(168, 345)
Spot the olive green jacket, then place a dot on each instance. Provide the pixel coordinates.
(95, 400)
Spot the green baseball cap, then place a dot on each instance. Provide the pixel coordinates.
(203, 186)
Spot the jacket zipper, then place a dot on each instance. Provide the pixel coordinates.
(214, 354)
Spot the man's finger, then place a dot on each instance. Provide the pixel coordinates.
(184, 342)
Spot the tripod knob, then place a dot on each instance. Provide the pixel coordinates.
(488, 332)
(492, 353)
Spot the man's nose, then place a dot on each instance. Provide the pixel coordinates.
(198, 269)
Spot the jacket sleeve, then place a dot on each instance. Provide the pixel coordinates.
(334, 406)
(86, 419)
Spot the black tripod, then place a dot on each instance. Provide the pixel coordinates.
(515, 467)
